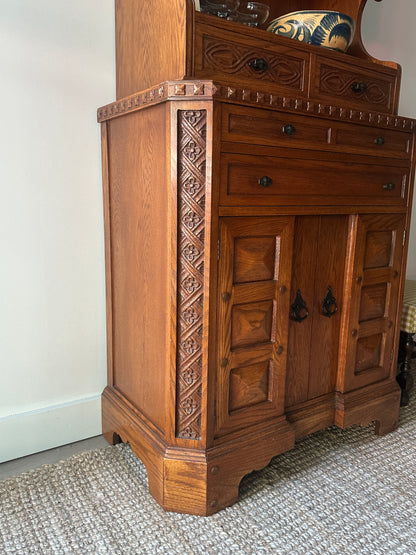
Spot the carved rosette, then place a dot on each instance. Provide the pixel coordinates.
(191, 235)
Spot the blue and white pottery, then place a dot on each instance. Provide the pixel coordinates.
(333, 30)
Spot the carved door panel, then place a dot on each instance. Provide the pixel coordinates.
(376, 245)
(253, 306)
(319, 253)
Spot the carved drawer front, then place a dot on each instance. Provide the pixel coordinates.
(247, 179)
(375, 279)
(360, 88)
(219, 55)
(253, 307)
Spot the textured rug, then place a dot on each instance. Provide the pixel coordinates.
(338, 492)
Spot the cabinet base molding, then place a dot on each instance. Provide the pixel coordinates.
(312, 416)
(193, 481)
(379, 403)
(204, 481)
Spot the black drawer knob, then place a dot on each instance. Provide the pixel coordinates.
(389, 186)
(258, 64)
(265, 181)
(289, 129)
(359, 87)
(379, 141)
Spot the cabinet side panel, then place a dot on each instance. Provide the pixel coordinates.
(150, 43)
(139, 250)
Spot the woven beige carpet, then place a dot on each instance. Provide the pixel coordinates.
(337, 492)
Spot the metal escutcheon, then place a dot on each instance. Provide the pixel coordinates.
(299, 310)
(329, 304)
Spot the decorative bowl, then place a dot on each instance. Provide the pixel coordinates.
(333, 30)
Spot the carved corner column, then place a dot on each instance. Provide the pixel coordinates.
(185, 482)
(192, 145)
(191, 114)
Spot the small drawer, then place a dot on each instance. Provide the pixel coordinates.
(356, 87)
(222, 54)
(270, 128)
(241, 124)
(265, 180)
(374, 141)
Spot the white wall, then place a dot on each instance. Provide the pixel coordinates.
(56, 68)
(388, 34)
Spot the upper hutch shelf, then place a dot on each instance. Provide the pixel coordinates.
(158, 41)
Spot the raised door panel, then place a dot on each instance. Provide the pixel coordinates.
(253, 306)
(376, 246)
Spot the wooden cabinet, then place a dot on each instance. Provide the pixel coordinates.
(255, 219)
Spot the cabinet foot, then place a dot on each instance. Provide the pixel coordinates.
(386, 425)
(112, 438)
(379, 403)
(194, 481)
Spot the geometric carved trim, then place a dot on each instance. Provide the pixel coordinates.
(304, 106)
(207, 90)
(169, 90)
(190, 289)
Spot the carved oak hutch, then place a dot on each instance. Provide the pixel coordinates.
(256, 193)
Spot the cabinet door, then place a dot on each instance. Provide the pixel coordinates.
(320, 246)
(253, 307)
(376, 247)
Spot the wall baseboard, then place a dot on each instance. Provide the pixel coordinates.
(30, 432)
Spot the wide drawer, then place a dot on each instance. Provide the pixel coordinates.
(247, 179)
(271, 128)
(356, 87)
(220, 53)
